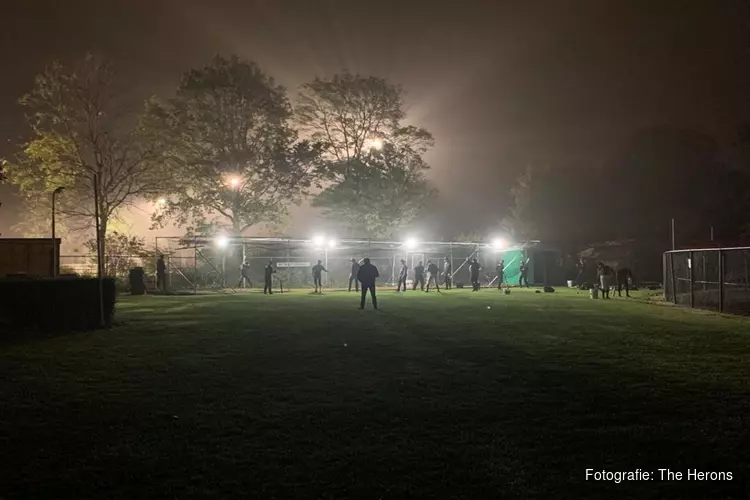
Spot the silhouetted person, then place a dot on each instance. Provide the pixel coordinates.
(268, 273)
(624, 276)
(500, 273)
(367, 275)
(474, 269)
(447, 270)
(245, 274)
(418, 276)
(161, 274)
(605, 275)
(316, 272)
(353, 275)
(523, 275)
(432, 275)
(402, 275)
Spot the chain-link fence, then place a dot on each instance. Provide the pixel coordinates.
(216, 263)
(714, 279)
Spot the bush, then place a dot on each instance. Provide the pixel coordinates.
(60, 304)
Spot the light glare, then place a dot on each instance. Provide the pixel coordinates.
(222, 242)
(318, 240)
(332, 244)
(498, 244)
(411, 243)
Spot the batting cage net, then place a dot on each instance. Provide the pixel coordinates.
(216, 263)
(712, 278)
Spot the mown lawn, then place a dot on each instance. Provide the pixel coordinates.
(460, 395)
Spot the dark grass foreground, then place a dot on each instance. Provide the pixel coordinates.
(437, 396)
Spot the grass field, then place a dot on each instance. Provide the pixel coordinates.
(461, 395)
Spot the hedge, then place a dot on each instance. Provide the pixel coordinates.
(59, 304)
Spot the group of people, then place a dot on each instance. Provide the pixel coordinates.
(429, 275)
(424, 277)
(363, 274)
(621, 277)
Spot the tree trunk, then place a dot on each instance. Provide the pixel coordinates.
(103, 221)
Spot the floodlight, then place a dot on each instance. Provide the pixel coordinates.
(376, 143)
(161, 202)
(234, 181)
(332, 243)
(498, 244)
(222, 242)
(319, 240)
(411, 243)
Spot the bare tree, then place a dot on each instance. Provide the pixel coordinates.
(87, 141)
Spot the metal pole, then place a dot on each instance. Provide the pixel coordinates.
(244, 258)
(195, 265)
(671, 272)
(692, 279)
(712, 233)
(450, 248)
(721, 281)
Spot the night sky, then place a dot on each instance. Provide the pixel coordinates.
(500, 84)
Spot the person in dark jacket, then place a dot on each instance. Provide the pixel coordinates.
(432, 275)
(624, 277)
(245, 275)
(161, 274)
(447, 273)
(353, 276)
(268, 273)
(474, 269)
(402, 275)
(500, 273)
(317, 271)
(367, 275)
(418, 276)
(523, 275)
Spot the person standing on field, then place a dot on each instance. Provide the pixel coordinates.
(605, 274)
(245, 275)
(447, 270)
(522, 277)
(402, 275)
(500, 273)
(353, 275)
(316, 273)
(474, 269)
(432, 275)
(161, 274)
(419, 276)
(624, 277)
(268, 273)
(367, 275)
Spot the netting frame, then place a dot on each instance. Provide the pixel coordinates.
(456, 251)
(709, 278)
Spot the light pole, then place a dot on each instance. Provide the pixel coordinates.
(54, 239)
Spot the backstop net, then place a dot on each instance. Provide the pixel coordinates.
(206, 263)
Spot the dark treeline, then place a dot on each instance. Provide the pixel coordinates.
(660, 174)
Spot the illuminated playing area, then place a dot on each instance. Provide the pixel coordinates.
(199, 263)
(228, 393)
